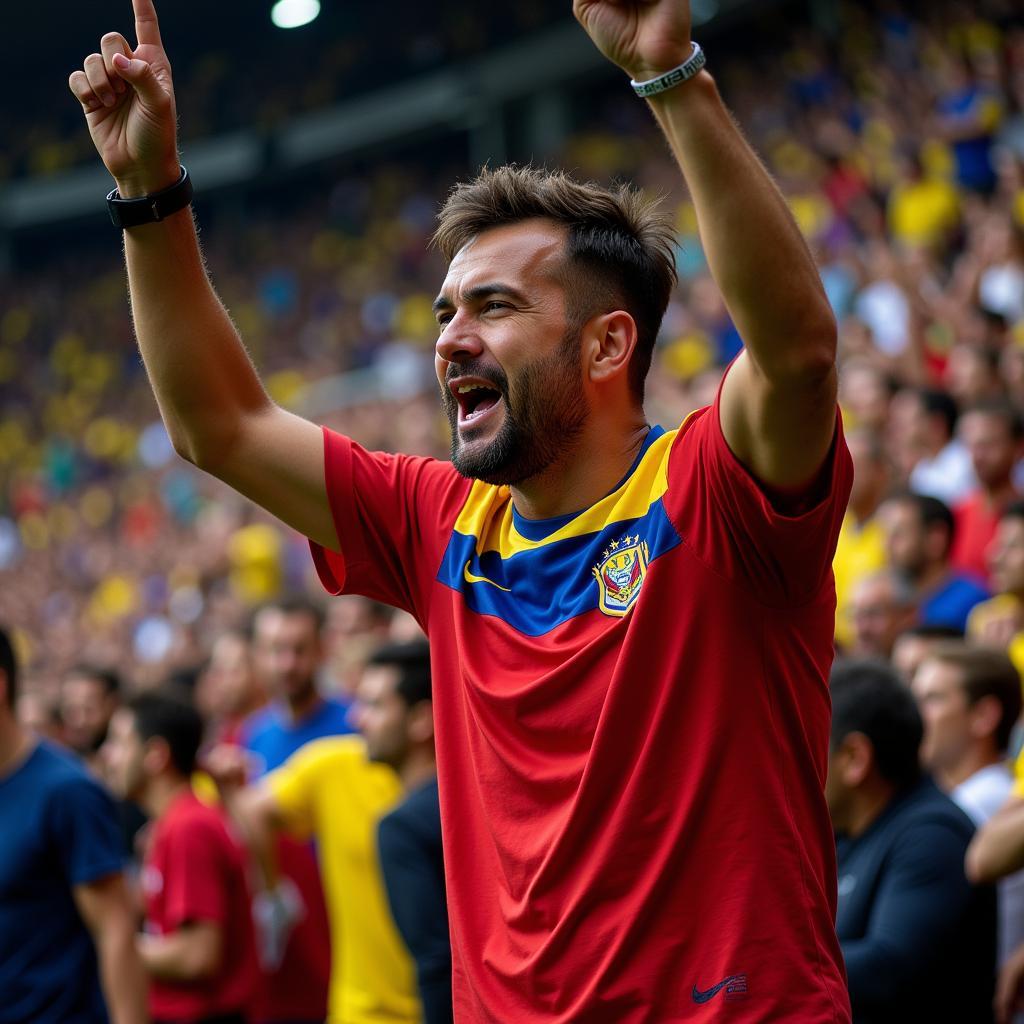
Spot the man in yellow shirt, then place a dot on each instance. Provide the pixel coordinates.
(331, 793)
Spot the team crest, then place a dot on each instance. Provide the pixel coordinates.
(620, 574)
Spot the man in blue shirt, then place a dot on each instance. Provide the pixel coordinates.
(67, 928)
(288, 652)
(918, 940)
(919, 538)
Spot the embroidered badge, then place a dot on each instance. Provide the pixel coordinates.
(620, 574)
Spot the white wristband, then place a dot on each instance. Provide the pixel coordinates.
(687, 70)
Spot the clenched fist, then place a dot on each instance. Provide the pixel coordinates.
(644, 37)
(128, 99)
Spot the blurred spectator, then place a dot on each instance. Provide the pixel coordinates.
(861, 547)
(89, 696)
(913, 645)
(968, 117)
(198, 947)
(395, 716)
(943, 465)
(907, 916)
(288, 652)
(970, 700)
(67, 929)
(881, 607)
(999, 622)
(919, 536)
(330, 792)
(992, 433)
(227, 690)
(40, 715)
(293, 929)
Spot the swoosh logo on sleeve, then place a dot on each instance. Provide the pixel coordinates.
(703, 997)
(473, 578)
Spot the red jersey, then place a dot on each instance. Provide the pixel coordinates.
(196, 871)
(976, 520)
(632, 716)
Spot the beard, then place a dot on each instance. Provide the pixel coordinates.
(545, 412)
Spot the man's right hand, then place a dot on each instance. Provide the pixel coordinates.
(128, 100)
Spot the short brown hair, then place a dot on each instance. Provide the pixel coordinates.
(985, 672)
(620, 251)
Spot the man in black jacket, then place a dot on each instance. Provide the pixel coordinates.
(918, 939)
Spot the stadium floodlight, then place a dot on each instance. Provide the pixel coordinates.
(294, 13)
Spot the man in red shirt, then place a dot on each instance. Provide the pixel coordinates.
(992, 433)
(631, 629)
(198, 946)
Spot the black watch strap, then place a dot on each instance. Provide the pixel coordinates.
(130, 213)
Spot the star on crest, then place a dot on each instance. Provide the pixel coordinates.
(615, 544)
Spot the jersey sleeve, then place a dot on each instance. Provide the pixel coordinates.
(393, 515)
(195, 883)
(295, 785)
(732, 525)
(85, 831)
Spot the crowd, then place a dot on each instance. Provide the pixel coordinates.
(900, 146)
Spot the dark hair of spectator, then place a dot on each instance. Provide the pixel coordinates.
(1015, 510)
(107, 676)
(868, 697)
(931, 512)
(941, 404)
(9, 666)
(985, 672)
(169, 716)
(620, 250)
(931, 631)
(1004, 410)
(295, 604)
(412, 660)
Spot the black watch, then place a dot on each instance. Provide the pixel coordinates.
(130, 213)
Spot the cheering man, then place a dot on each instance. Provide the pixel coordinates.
(633, 627)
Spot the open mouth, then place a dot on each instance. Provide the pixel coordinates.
(475, 399)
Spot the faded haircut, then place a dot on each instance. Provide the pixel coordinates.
(620, 251)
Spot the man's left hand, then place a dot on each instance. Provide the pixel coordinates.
(644, 37)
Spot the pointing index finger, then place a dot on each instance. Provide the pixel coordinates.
(147, 28)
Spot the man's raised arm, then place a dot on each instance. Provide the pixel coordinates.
(779, 400)
(212, 402)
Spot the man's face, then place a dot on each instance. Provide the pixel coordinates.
(226, 687)
(904, 537)
(877, 618)
(1006, 556)
(381, 716)
(944, 710)
(287, 652)
(85, 709)
(991, 445)
(508, 361)
(123, 754)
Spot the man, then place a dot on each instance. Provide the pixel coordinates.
(331, 793)
(67, 929)
(882, 606)
(227, 691)
(198, 948)
(597, 832)
(914, 645)
(919, 534)
(907, 916)
(943, 468)
(395, 718)
(89, 696)
(860, 550)
(970, 700)
(992, 434)
(287, 652)
(999, 622)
